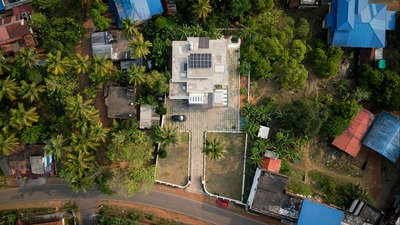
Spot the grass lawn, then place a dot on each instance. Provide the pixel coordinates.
(173, 169)
(225, 176)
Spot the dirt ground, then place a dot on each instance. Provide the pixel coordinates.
(391, 4)
(46, 204)
(154, 211)
(174, 168)
(225, 176)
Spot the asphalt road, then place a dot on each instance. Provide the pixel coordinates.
(162, 200)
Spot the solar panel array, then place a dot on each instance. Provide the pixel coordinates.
(200, 60)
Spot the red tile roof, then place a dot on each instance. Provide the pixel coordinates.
(271, 164)
(350, 140)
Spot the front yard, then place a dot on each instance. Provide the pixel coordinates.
(225, 176)
(174, 168)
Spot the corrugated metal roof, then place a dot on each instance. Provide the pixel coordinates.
(316, 214)
(137, 9)
(350, 140)
(384, 136)
(2, 6)
(355, 23)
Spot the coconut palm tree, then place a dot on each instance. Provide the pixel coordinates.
(3, 64)
(8, 87)
(81, 64)
(79, 167)
(7, 143)
(129, 27)
(168, 135)
(55, 145)
(202, 8)
(102, 66)
(140, 46)
(27, 58)
(136, 75)
(21, 117)
(31, 91)
(57, 64)
(81, 111)
(214, 149)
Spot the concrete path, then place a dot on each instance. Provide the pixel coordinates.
(200, 120)
(87, 208)
(170, 202)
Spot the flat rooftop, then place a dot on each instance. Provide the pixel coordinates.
(120, 102)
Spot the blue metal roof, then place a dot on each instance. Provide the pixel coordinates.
(136, 9)
(316, 214)
(384, 136)
(2, 6)
(355, 23)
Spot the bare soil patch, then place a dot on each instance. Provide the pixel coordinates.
(224, 177)
(146, 211)
(174, 168)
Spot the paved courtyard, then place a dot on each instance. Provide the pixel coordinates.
(200, 120)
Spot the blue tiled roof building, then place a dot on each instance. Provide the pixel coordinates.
(316, 214)
(358, 24)
(136, 9)
(384, 136)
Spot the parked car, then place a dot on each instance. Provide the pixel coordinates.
(178, 118)
(222, 203)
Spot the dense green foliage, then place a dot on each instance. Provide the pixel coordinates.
(96, 10)
(214, 149)
(325, 60)
(303, 117)
(333, 193)
(56, 24)
(272, 50)
(383, 85)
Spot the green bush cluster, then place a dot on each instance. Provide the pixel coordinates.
(383, 85)
(97, 8)
(325, 59)
(334, 193)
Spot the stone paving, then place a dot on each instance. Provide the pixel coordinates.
(200, 120)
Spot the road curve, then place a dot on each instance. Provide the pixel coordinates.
(162, 200)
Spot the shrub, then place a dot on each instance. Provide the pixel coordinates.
(161, 110)
(163, 153)
(243, 91)
(325, 60)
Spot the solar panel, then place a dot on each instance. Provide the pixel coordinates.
(200, 60)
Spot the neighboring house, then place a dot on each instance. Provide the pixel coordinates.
(200, 72)
(350, 140)
(267, 196)
(358, 24)
(11, 4)
(29, 161)
(15, 32)
(148, 117)
(384, 136)
(362, 213)
(317, 214)
(113, 45)
(120, 102)
(136, 9)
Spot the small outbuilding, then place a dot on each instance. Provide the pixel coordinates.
(317, 214)
(148, 117)
(384, 136)
(120, 102)
(263, 132)
(271, 162)
(350, 140)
